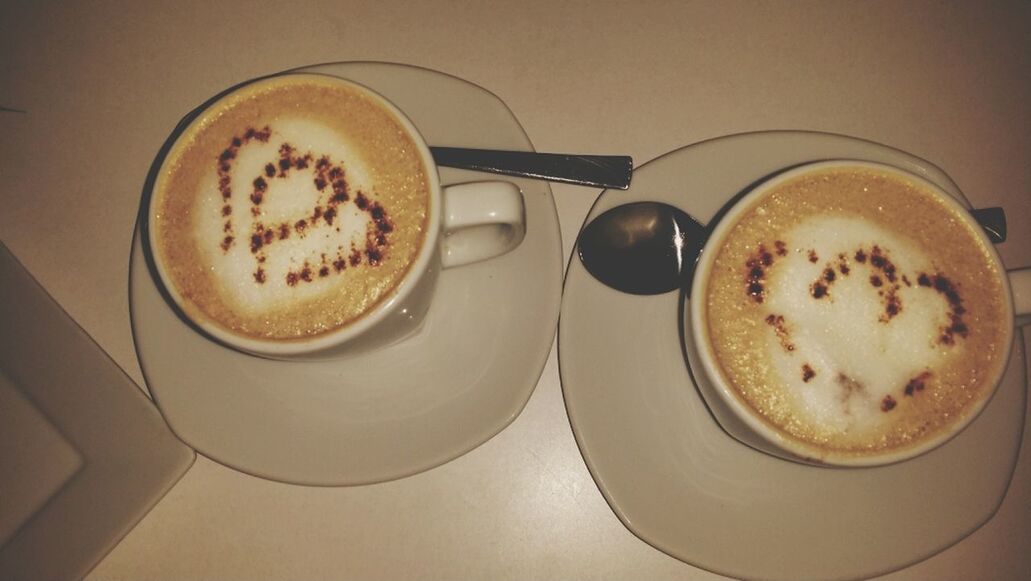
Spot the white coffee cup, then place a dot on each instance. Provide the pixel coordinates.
(469, 222)
(739, 420)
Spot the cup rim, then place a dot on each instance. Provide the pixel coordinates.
(799, 450)
(303, 345)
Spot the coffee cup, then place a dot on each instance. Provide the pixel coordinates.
(847, 313)
(301, 216)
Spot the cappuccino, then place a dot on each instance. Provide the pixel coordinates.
(856, 313)
(289, 209)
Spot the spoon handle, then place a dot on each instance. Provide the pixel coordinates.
(993, 220)
(605, 171)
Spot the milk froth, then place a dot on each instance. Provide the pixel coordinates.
(846, 315)
(287, 198)
(839, 335)
(291, 210)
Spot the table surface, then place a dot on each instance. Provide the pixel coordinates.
(102, 84)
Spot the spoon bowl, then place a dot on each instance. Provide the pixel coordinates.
(642, 248)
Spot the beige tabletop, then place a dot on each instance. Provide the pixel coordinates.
(102, 84)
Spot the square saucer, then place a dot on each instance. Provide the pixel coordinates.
(683, 485)
(464, 376)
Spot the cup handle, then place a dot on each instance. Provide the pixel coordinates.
(1020, 284)
(481, 220)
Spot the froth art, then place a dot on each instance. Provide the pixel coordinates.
(330, 179)
(873, 265)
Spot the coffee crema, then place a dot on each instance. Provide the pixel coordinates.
(291, 208)
(856, 313)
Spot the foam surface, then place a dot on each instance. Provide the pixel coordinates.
(287, 199)
(856, 354)
(291, 208)
(854, 312)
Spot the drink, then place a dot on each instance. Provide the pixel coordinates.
(854, 313)
(291, 209)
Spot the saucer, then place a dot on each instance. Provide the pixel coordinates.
(680, 483)
(465, 375)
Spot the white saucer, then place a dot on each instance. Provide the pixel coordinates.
(407, 408)
(680, 483)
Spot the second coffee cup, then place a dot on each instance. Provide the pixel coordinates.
(848, 313)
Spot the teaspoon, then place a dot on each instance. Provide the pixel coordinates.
(650, 248)
(642, 248)
(603, 171)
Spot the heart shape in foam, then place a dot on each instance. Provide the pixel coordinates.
(287, 217)
(839, 272)
(856, 316)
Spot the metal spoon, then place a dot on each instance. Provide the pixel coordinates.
(642, 248)
(650, 248)
(603, 171)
